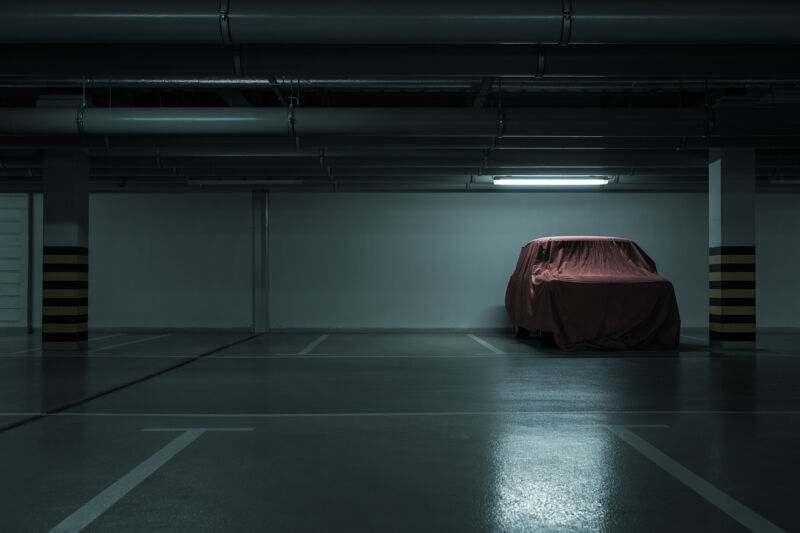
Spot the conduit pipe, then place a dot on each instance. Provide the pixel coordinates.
(422, 21)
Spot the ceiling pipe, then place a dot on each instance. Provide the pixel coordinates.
(510, 84)
(365, 21)
(449, 122)
(199, 144)
(444, 122)
(252, 66)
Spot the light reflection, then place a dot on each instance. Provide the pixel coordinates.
(551, 478)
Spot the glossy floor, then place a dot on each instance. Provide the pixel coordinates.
(335, 431)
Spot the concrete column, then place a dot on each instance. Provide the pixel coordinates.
(260, 261)
(732, 252)
(65, 258)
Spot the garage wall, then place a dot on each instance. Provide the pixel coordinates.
(383, 260)
(165, 260)
(777, 260)
(14, 261)
(442, 260)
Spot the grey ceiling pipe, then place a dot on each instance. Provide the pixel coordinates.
(333, 121)
(251, 66)
(409, 21)
(433, 122)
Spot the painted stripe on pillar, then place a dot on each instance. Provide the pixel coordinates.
(732, 319)
(65, 294)
(69, 310)
(732, 276)
(732, 293)
(732, 250)
(66, 319)
(732, 302)
(732, 310)
(750, 294)
(71, 259)
(81, 327)
(733, 258)
(65, 276)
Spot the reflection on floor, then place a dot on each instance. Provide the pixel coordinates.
(327, 431)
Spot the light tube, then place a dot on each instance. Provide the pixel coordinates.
(550, 182)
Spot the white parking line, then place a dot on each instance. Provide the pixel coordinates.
(90, 340)
(485, 344)
(114, 492)
(705, 341)
(319, 340)
(104, 348)
(733, 508)
(403, 413)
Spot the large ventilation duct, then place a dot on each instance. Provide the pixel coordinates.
(409, 21)
(433, 122)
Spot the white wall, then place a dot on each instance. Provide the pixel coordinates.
(442, 260)
(383, 260)
(777, 260)
(166, 260)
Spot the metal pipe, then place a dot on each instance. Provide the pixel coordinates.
(366, 21)
(450, 122)
(252, 66)
(430, 122)
(510, 84)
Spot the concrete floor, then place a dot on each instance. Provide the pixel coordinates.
(396, 432)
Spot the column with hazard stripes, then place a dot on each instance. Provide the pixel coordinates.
(732, 252)
(732, 294)
(65, 257)
(65, 294)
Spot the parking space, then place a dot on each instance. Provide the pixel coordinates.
(381, 434)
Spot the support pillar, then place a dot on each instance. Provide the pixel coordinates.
(260, 261)
(732, 252)
(65, 258)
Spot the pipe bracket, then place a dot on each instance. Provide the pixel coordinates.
(224, 21)
(710, 121)
(540, 59)
(566, 22)
(291, 121)
(501, 123)
(79, 121)
(237, 62)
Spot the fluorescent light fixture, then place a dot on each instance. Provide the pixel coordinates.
(244, 182)
(551, 181)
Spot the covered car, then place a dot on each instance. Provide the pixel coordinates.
(593, 293)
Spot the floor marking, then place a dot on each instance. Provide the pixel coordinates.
(485, 344)
(400, 414)
(90, 340)
(129, 342)
(319, 340)
(201, 429)
(114, 492)
(695, 338)
(733, 508)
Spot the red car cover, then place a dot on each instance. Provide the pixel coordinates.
(593, 293)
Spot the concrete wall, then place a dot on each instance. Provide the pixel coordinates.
(777, 260)
(165, 260)
(411, 260)
(383, 260)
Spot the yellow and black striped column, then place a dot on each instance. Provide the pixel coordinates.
(732, 294)
(65, 295)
